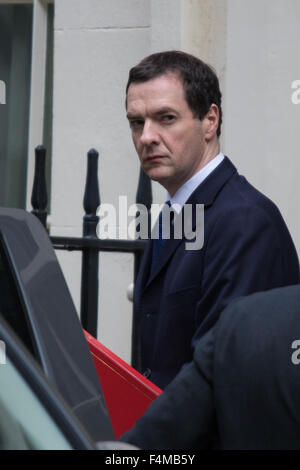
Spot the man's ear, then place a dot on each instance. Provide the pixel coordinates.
(211, 122)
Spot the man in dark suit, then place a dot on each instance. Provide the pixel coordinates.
(174, 110)
(242, 389)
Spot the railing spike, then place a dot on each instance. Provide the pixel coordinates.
(91, 199)
(39, 197)
(90, 256)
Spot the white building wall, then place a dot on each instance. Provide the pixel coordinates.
(95, 44)
(253, 47)
(261, 126)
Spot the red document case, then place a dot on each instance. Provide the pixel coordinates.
(127, 393)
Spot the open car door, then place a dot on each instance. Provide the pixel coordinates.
(36, 304)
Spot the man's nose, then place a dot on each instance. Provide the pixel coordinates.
(150, 134)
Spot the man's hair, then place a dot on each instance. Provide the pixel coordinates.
(199, 80)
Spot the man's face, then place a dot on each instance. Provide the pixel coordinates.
(169, 140)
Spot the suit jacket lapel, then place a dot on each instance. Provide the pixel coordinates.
(204, 194)
(208, 190)
(167, 252)
(144, 270)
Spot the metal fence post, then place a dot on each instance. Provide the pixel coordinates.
(90, 256)
(143, 196)
(39, 197)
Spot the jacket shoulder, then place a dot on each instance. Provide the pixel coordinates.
(278, 305)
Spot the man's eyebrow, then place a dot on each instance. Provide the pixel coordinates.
(133, 116)
(158, 112)
(165, 110)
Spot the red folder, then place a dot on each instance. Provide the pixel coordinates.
(127, 393)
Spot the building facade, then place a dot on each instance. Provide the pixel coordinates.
(63, 69)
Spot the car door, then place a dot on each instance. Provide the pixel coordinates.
(33, 415)
(36, 303)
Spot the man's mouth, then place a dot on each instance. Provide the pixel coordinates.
(154, 158)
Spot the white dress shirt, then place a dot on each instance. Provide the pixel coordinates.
(184, 192)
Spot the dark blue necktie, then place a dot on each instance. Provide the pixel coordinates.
(159, 243)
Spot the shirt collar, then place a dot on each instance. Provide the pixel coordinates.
(184, 192)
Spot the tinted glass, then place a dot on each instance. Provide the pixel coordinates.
(24, 422)
(10, 305)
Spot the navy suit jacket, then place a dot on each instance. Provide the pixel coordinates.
(242, 389)
(247, 248)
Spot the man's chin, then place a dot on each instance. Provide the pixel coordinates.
(156, 174)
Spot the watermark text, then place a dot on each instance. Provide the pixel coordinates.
(295, 358)
(2, 353)
(296, 94)
(165, 222)
(2, 92)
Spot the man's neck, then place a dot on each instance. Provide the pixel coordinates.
(209, 154)
(186, 189)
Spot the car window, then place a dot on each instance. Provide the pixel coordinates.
(24, 421)
(10, 304)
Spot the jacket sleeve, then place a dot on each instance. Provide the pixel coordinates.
(183, 416)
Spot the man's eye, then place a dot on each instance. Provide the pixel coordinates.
(168, 118)
(137, 123)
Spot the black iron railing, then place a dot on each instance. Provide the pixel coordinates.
(89, 244)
